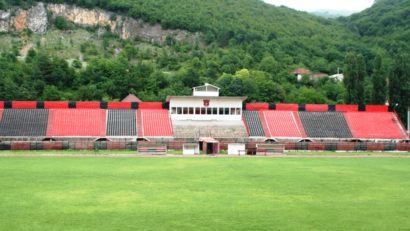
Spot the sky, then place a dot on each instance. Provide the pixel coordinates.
(334, 5)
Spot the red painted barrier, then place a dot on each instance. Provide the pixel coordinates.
(116, 145)
(317, 107)
(86, 145)
(287, 107)
(316, 146)
(150, 105)
(55, 104)
(375, 146)
(257, 106)
(345, 146)
(403, 147)
(347, 108)
(290, 146)
(53, 145)
(24, 104)
(88, 105)
(20, 145)
(377, 108)
(119, 105)
(1, 104)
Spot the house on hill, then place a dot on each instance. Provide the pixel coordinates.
(300, 72)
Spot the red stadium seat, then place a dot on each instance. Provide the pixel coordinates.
(87, 105)
(77, 122)
(150, 105)
(155, 123)
(55, 104)
(119, 105)
(287, 107)
(282, 124)
(377, 108)
(346, 108)
(24, 104)
(317, 107)
(375, 125)
(257, 106)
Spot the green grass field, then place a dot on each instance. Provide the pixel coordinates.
(86, 193)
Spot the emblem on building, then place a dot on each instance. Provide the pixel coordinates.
(206, 102)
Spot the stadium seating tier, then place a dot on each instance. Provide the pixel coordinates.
(155, 122)
(282, 124)
(121, 123)
(253, 123)
(77, 122)
(325, 125)
(215, 129)
(24, 122)
(375, 125)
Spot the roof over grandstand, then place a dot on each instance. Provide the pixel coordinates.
(206, 86)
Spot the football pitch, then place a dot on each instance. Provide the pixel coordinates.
(106, 193)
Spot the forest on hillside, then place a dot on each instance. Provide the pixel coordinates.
(247, 48)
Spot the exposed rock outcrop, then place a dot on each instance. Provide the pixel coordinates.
(36, 20)
(126, 27)
(4, 21)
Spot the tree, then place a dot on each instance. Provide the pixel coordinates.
(355, 72)
(51, 93)
(2, 5)
(379, 81)
(269, 64)
(61, 23)
(399, 84)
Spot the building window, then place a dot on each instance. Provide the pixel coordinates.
(238, 111)
(226, 111)
(173, 110)
(197, 111)
(179, 110)
(185, 110)
(214, 111)
(191, 111)
(203, 111)
(221, 111)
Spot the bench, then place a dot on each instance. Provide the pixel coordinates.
(152, 149)
(270, 149)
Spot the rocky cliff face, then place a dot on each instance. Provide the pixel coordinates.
(34, 19)
(37, 21)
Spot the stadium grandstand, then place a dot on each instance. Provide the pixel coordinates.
(203, 116)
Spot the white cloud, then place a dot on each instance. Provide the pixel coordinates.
(309, 5)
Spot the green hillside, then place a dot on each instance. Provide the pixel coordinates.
(386, 21)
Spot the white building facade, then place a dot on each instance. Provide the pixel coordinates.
(206, 105)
